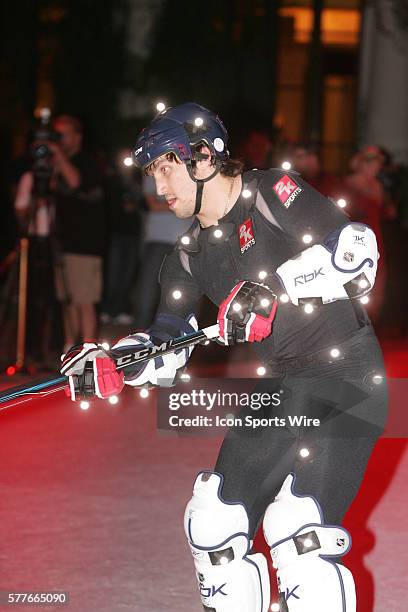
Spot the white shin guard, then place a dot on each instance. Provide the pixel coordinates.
(303, 549)
(230, 580)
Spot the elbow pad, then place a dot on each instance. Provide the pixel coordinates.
(343, 267)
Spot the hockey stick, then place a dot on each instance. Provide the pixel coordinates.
(45, 386)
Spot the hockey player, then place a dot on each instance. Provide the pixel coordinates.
(287, 270)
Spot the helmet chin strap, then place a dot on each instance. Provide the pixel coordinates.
(200, 182)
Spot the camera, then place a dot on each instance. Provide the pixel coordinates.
(41, 154)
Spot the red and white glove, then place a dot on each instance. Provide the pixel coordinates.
(91, 372)
(246, 315)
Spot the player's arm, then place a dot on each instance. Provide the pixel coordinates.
(92, 372)
(341, 261)
(65, 167)
(176, 316)
(23, 201)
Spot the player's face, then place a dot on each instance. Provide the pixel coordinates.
(173, 182)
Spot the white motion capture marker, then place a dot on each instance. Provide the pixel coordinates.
(185, 240)
(160, 107)
(304, 550)
(246, 193)
(229, 579)
(217, 233)
(262, 275)
(176, 294)
(219, 144)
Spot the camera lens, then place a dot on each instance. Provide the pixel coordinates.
(41, 151)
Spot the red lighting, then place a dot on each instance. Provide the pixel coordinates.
(11, 370)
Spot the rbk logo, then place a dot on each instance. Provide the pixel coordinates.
(292, 593)
(307, 278)
(212, 591)
(359, 240)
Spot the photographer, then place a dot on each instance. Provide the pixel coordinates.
(80, 222)
(73, 215)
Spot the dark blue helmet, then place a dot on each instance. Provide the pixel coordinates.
(179, 130)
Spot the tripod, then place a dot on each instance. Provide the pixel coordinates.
(28, 295)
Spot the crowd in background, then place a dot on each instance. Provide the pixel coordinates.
(98, 233)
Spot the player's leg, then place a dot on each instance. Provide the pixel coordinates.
(223, 514)
(302, 525)
(230, 579)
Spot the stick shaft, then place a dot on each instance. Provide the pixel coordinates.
(43, 386)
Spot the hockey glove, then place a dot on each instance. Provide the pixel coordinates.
(91, 372)
(161, 370)
(246, 315)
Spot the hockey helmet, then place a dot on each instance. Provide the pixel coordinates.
(180, 130)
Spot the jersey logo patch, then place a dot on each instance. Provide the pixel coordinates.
(287, 190)
(246, 235)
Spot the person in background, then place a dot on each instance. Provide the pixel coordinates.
(256, 149)
(306, 161)
(81, 227)
(125, 205)
(161, 232)
(370, 203)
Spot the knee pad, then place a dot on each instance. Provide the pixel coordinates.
(304, 550)
(229, 579)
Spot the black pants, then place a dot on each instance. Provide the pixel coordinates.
(351, 404)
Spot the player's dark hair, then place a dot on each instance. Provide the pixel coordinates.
(229, 167)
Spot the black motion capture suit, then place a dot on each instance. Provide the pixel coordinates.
(339, 391)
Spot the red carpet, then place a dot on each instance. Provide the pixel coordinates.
(92, 503)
